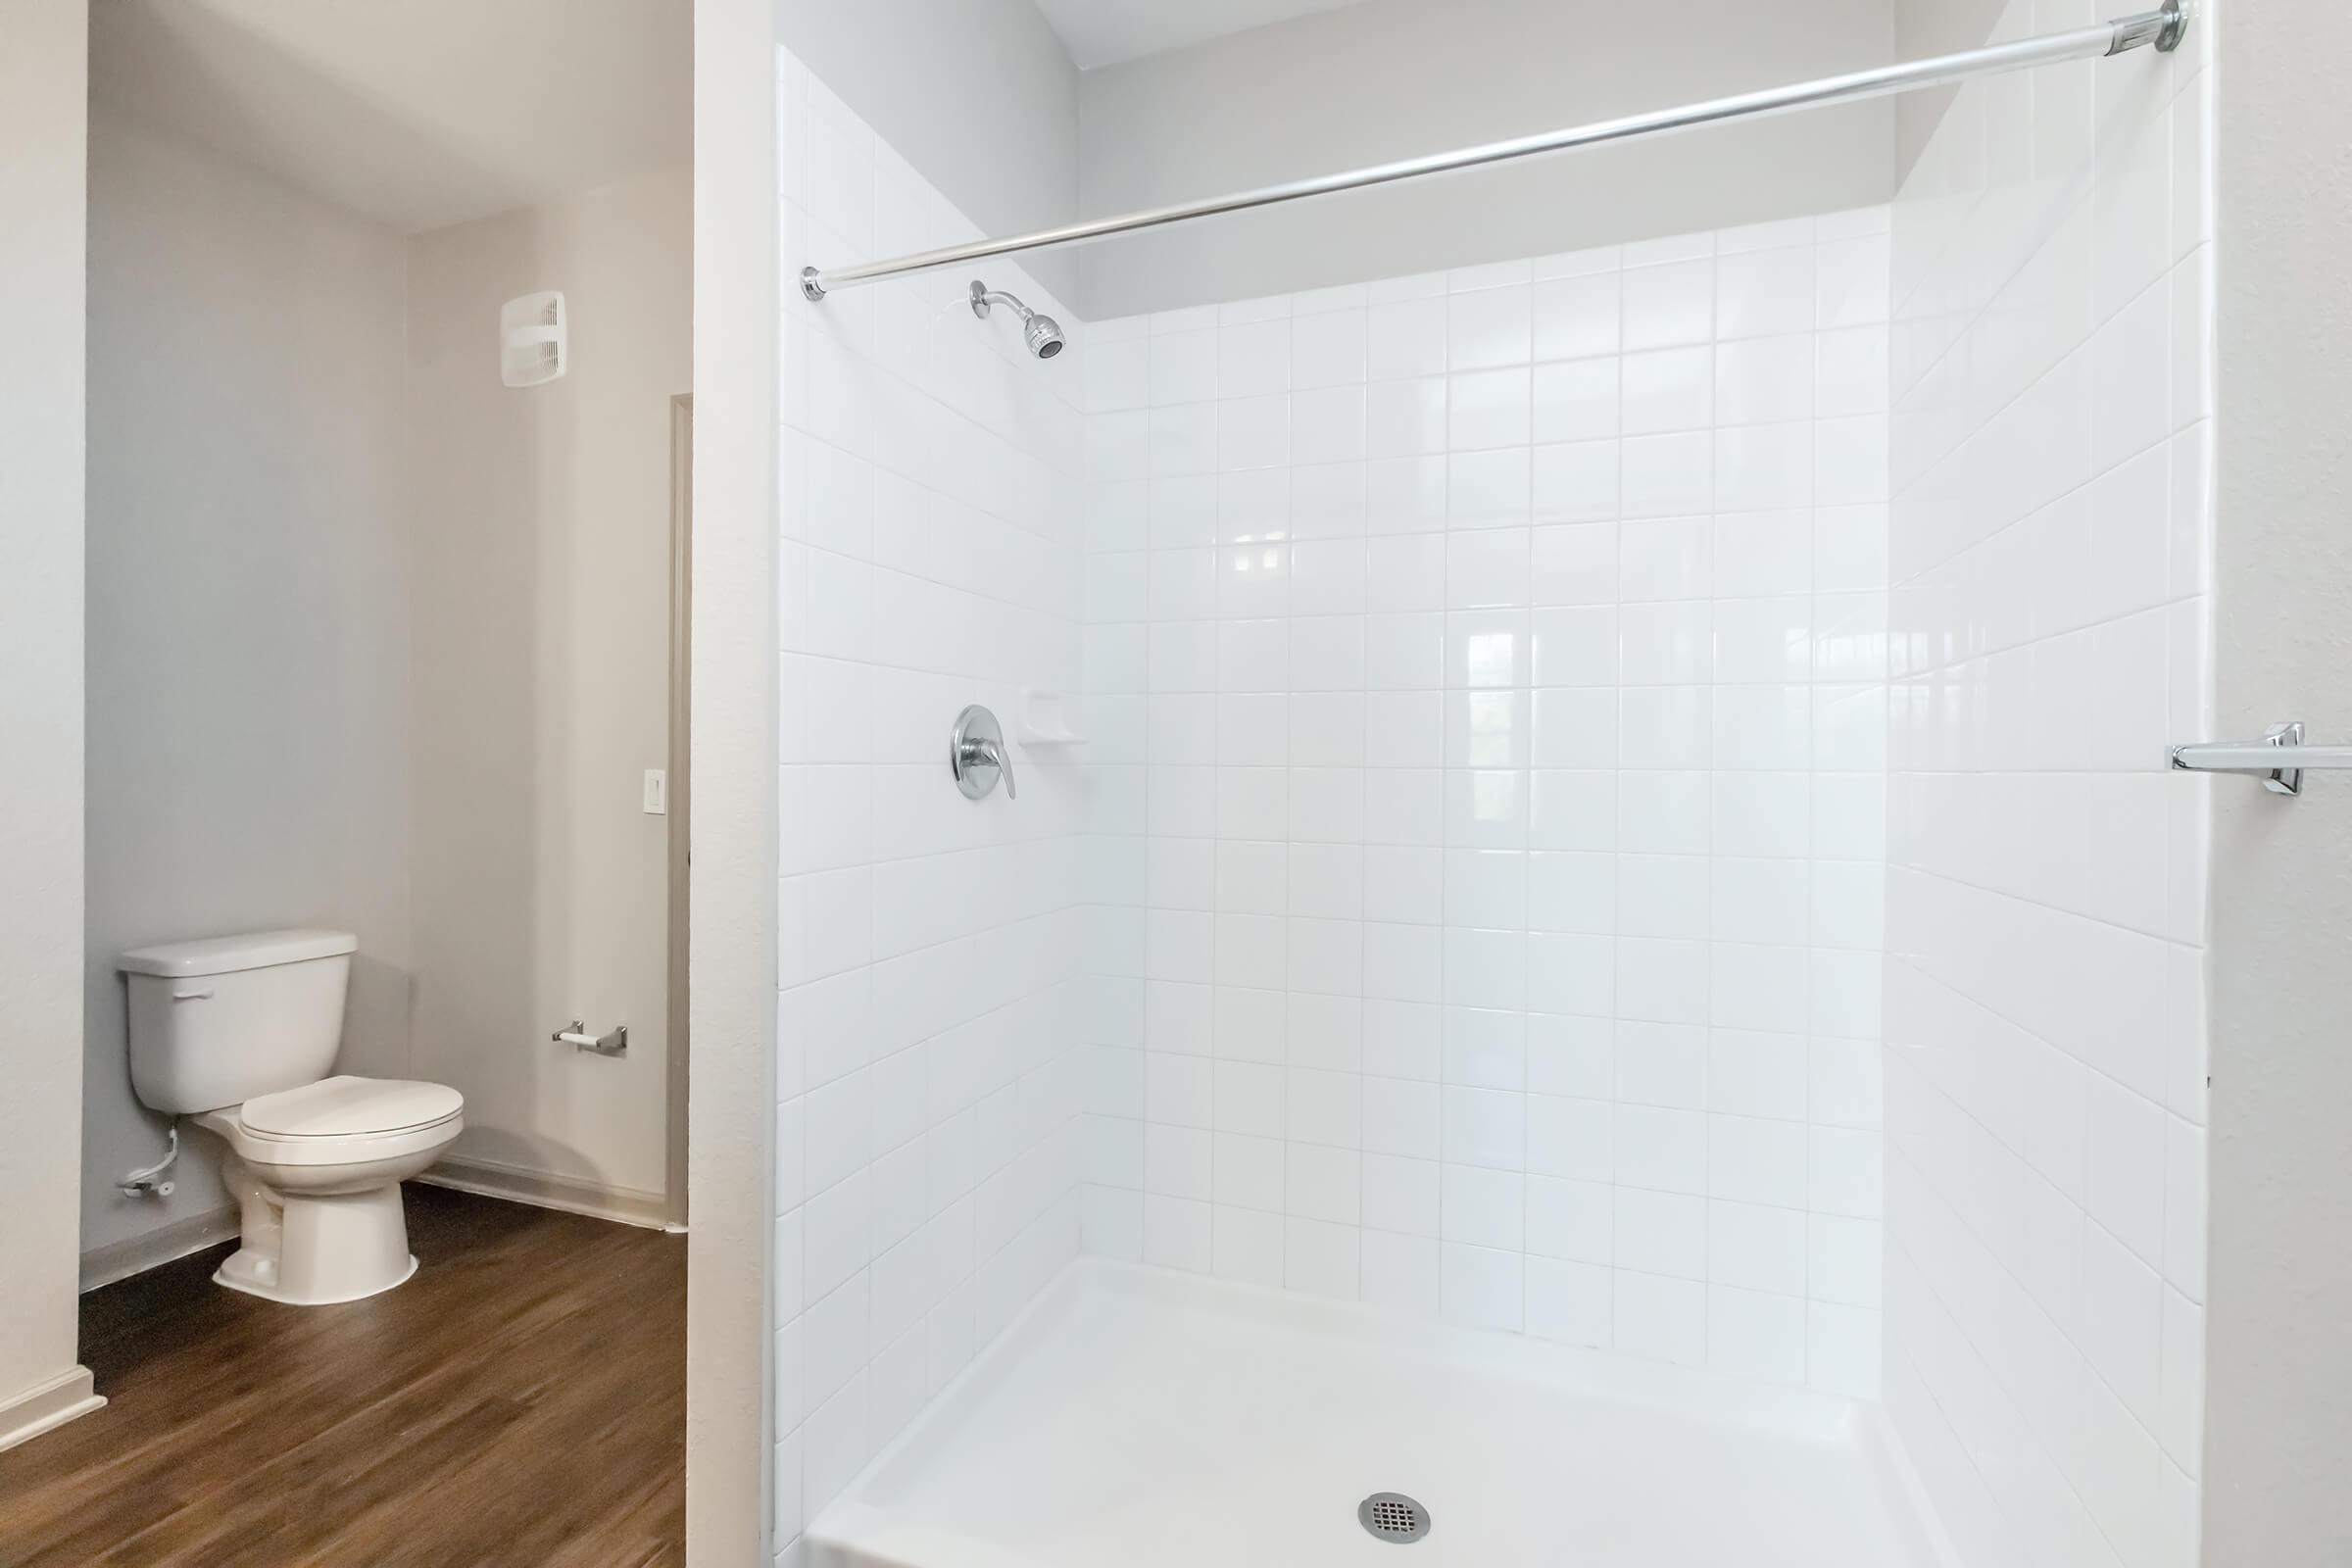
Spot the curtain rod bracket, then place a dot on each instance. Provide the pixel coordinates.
(2175, 29)
(2165, 27)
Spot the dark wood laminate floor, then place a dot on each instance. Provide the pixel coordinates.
(521, 1402)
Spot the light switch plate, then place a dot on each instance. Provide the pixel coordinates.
(656, 792)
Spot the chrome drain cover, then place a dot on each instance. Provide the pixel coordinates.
(1393, 1517)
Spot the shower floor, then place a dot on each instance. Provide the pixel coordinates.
(1145, 1418)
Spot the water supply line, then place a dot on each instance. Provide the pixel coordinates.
(147, 1181)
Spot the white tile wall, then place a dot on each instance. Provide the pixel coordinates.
(1491, 678)
(932, 948)
(2050, 547)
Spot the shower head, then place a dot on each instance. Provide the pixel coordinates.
(1042, 333)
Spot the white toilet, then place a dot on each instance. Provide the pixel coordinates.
(239, 1033)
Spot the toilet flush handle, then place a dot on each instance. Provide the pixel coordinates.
(206, 995)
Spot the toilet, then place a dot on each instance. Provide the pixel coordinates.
(239, 1034)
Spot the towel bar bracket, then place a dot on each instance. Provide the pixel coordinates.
(2278, 759)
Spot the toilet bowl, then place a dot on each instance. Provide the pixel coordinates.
(238, 1035)
(317, 1173)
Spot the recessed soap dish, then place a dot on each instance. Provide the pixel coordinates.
(1046, 718)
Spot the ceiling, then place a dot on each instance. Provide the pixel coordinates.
(417, 113)
(1103, 32)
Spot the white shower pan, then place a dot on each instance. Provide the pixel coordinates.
(1149, 1419)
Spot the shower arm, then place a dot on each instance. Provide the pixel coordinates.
(2163, 28)
(983, 297)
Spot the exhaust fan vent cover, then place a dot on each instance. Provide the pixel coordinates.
(534, 339)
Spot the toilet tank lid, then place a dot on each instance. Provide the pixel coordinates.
(258, 949)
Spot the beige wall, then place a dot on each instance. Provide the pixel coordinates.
(248, 628)
(732, 1126)
(1395, 78)
(540, 526)
(2279, 1369)
(43, 82)
(381, 644)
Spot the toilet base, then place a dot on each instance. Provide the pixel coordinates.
(316, 1249)
(250, 1283)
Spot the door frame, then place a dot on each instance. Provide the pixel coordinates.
(681, 838)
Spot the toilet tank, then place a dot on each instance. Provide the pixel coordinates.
(219, 1022)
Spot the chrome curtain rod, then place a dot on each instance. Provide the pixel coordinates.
(2162, 28)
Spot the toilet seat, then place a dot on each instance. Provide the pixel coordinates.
(342, 1120)
(345, 1107)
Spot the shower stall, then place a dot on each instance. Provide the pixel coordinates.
(1553, 924)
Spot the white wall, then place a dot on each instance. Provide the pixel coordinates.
(539, 522)
(1397, 79)
(1495, 665)
(1927, 27)
(248, 623)
(2281, 1366)
(2050, 561)
(44, 76)
(930, 947)
(979, 94)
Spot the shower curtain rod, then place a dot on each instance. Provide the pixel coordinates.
(2162, 28)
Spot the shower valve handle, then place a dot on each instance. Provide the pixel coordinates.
(990, 753)
(977, 755)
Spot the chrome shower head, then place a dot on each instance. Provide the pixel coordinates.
(1041, 333)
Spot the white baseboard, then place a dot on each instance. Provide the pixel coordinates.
(623, 1204)
(136, 1254)
(47, 1406)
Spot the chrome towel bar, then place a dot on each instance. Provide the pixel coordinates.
(2280, 758)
